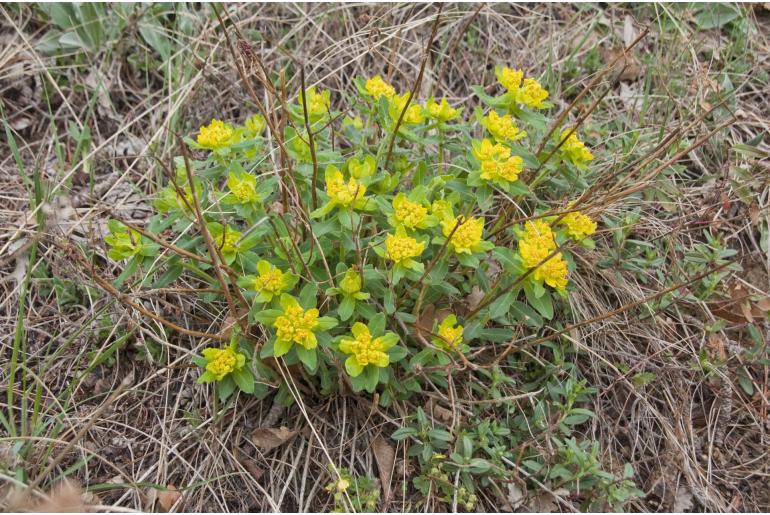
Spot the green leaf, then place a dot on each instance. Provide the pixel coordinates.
(371, 376)
(307, 296)
(308, 357)
(389, 302)
(543, 304)
(643, 378)
(403, 433)
(487, 99)
(501, 306)
(281, 347)
(267, 316)
(244, 379)
(326, 323)
(225, 388)
(479, 466)
(440, 434)
(155, 36)
(716, 15)
(346, 308)
(397, 353)
(526, 314)
(377, 324)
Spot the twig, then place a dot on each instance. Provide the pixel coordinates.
(415, 87)
(311, 142)
(216, 257)
(560, 119)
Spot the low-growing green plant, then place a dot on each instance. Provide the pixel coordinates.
(353, 493)
(355, 241)
(404, 218)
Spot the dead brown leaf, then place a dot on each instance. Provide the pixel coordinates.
(474, 298)
(626, 68)
(268, 438)
(168, 497)
(438, 412)
(428, 319)
(64, 498)
(742, 305)
(385, 455)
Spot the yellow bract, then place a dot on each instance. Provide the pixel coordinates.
(441, 111)
(540, 229)
(365, 349)
(244, 192)
(578, 225)
(243, 187)
(296, 325)
(532, 94)
(351, 283)
(413, 114)
(271, 281)
(449, 334)
(376, 87)
(398, 247)
(216, 135)
(536, 245)
(553, 272)
(318, 102)
(497, 164)
(575, 150)
(440, 209)
(255, 125)
(341, 193)
(467, 236)
(228, 243)
(220, 362)
(409, 214)
(509, 79)
(503, 128)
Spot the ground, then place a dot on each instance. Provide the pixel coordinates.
(95, 98)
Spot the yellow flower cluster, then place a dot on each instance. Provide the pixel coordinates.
(575, 150)
(467, 236)
(245, 192)
(216, 135)
(502, 127)
(221, 362)
(509, 79)
(255, 125)
(578, 225)
(243, 187)
(271, 281)
(351, 283)
(440, 209)
(536, 245)
(364, 348)
(318, 103)
(296, 325)
(497, 163)
(441, 111)
(341, 193)
(407, 213)
(530, 93)
(376, 88)
(413, 114)
(229, 242)
(450, 335)
(399, 248)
